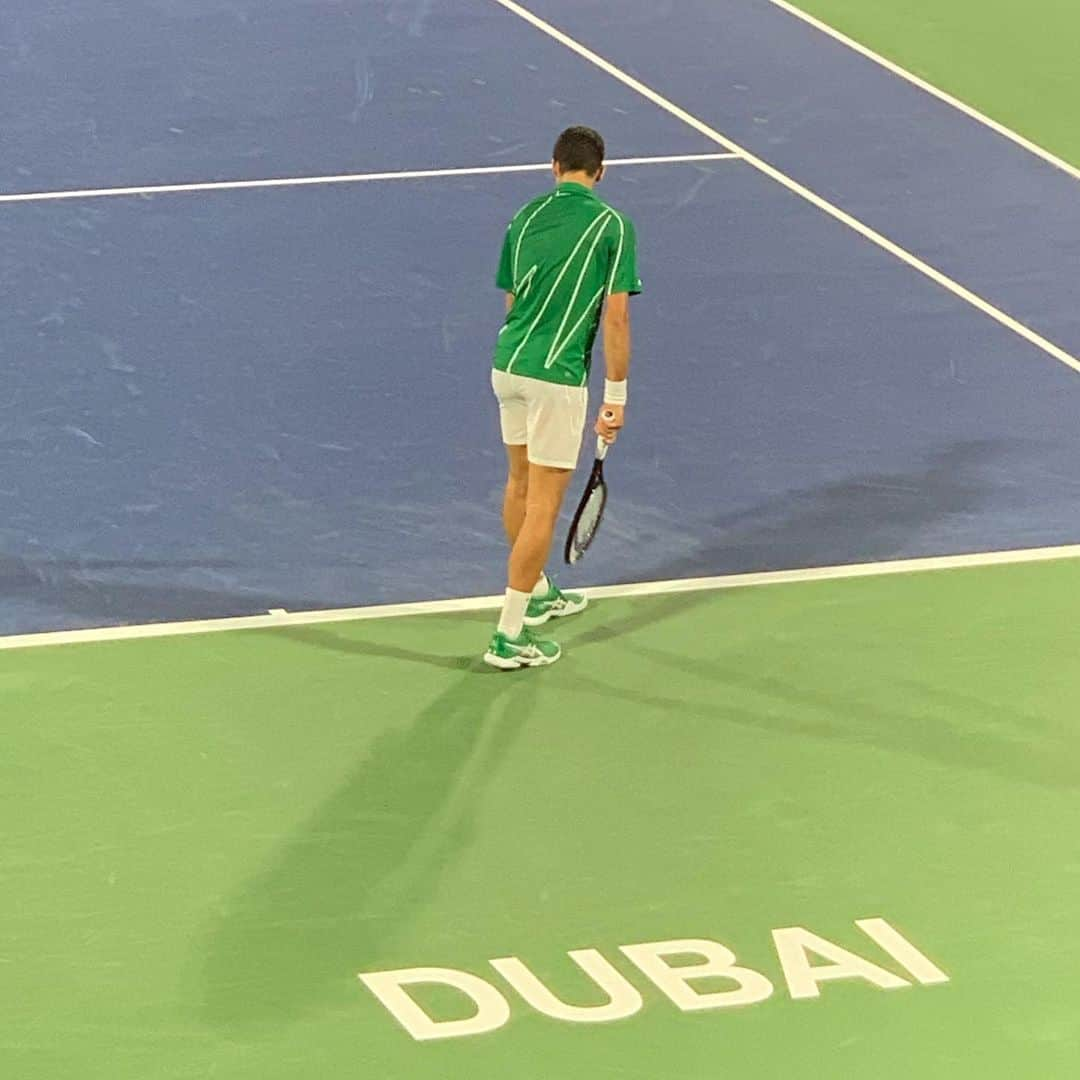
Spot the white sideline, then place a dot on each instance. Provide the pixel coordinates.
(930, 88)
(345, 178)
(864, 230)
(279, 618)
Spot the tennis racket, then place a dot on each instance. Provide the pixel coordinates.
(590, 511)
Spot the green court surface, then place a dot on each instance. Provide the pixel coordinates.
(1015, 62)
(206, 838)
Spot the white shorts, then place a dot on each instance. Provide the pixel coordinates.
(546, 417)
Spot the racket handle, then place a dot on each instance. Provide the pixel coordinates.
(601, 446)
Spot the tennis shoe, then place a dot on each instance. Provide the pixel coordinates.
(526, 650)
(555, 605)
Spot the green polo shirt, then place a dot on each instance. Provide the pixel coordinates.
(563, 253)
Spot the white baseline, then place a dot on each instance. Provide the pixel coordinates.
(344, 178)
(946, 282)
(278, 617)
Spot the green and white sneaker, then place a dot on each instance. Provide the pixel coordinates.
(555, 605)
(507, 653)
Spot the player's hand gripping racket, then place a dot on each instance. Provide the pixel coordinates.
(590, 511)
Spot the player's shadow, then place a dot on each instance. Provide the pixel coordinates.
(334, 898)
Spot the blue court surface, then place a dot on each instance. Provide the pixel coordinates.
(225, 401)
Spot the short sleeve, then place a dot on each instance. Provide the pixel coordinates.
(623, 276)
(504, 279)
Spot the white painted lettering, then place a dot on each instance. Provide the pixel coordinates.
(902, 951)
(492, 1010)
(623, 998)
(717, 962)
(794, 943)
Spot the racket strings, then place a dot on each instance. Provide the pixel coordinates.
(590, 516)
(588, 521)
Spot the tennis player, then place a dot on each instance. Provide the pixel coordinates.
(569, 262)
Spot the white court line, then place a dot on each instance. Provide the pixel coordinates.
(279, 618)
(929, 88)
(801, 190)
(347, 178)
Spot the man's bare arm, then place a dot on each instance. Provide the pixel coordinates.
(509, 302)
(617, 346)
(617, 337)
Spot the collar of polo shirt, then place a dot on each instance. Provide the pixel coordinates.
(572, 187)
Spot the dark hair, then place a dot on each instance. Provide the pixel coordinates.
(579, 149)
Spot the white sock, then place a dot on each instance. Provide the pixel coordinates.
(542, 586)
(513, 613)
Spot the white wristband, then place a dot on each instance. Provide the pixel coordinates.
(614, 392)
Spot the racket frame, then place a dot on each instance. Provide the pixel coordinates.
(572, 552)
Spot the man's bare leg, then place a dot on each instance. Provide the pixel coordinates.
(529, 553)
(517, 491)
(514, 504)
(545, 488)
